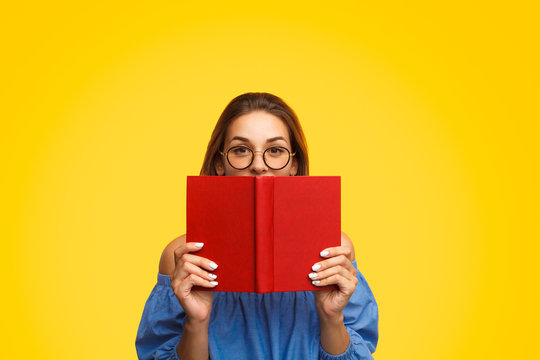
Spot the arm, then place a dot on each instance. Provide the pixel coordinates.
(190, 270)
(164, 335)
(334, 336)
(194, 341)
(342, 313)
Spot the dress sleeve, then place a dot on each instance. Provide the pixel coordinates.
(361, 319)
(161, 324)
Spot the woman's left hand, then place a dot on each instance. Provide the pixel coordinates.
(338, 270)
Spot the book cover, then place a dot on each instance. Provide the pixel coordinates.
(264, 232)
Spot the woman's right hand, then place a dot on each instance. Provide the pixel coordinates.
(193, 270)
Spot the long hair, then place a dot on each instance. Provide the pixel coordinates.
(244, 104)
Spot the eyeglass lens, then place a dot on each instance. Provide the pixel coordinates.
(275, 157)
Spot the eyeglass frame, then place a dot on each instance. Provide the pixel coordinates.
(253, 156)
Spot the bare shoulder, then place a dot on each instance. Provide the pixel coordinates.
(166, 263)
(346, 241)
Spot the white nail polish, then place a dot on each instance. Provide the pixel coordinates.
(324, 253)
(316, 267)
(312, 275)
(316, 282)
(199, 245)
(213, 265)
(212, 276)
(213, 283)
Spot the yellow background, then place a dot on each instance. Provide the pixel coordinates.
(428, 111)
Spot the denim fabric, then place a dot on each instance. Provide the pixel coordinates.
(257, 326)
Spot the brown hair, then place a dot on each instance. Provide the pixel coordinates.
(244, 104)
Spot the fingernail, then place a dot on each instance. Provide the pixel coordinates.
(212, 276)
(316, 282)
(214, 283)
(324, 253)
(213, 265)
(316, 267)
(312, 275)
(199, 245)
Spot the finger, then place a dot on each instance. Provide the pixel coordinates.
(194, 269)
(345, 285)
(338, 250)
(183, 287)
(199, 261)
(334, 261)
(193, 280)
(187, 268)
(186, 248)
(334, 270)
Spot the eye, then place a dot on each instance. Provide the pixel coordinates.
(276, 150)
(239, 150)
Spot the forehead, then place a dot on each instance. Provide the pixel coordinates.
(257, 126)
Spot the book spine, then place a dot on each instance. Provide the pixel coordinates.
(264, 234)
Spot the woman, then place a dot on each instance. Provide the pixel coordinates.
(258, 134)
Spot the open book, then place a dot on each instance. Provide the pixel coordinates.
(264, 232)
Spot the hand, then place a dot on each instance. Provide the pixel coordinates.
(189, 271)
(338, 270)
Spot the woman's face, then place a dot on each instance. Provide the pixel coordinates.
(257, 130)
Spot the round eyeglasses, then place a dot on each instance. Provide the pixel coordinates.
(241, 157)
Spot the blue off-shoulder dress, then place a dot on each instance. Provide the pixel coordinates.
(277, 326)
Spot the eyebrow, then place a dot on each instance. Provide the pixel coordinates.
(268, 140)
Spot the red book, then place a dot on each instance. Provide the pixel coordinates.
(264, 232)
